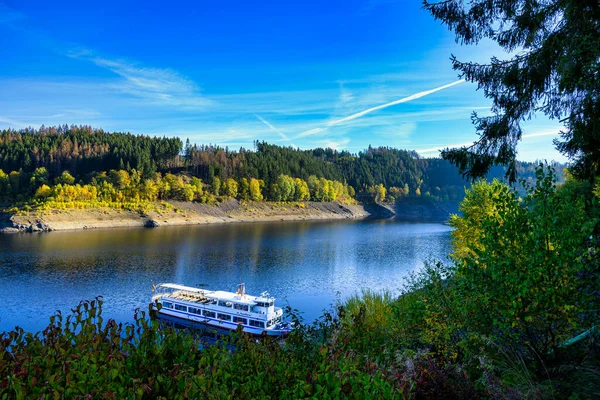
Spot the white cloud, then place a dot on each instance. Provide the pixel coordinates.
(345, 95)
(397, 131)
(9, 15)
(524, 138)
(335, 144)
(215, 135)
(14, 123)
(157, 86)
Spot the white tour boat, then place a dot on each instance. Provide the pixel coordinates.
(226, 310)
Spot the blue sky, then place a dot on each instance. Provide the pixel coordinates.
(303, 74)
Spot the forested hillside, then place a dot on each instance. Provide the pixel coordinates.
(83, 149)
(150, 168)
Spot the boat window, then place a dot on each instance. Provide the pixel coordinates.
(180, 307)
(258, 324)
(166, 304)
(240, 320)
(208, 314)
(224, 317)
(195, 310)
(224, 303)
(270, 304)
(260, 304)
(242, 307)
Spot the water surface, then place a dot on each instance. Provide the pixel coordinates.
(306, 264)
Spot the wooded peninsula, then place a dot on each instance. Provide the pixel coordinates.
(46, 170)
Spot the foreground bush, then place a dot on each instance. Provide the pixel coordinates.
(81, 356)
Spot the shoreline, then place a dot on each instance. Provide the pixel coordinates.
(182, 213)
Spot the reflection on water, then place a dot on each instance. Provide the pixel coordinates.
(305, 264)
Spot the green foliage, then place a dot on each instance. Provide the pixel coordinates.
(120, 179)
(301, 191)
(481, 201)
(81, 355)
(43, 192)
(231, 187)
(554, 50)
(40, 156)
(65, 179)
(39, 177)
(524, 281)
(255, 189)
(83, 150)
(523, 266)
(380, 193)
(283, 189)
(244, 190)
(215, 186)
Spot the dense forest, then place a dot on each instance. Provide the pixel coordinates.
(140, 167)
(513, 313)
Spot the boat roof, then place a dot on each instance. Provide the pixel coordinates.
(219, 294)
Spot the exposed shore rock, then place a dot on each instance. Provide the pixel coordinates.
(414, 209)
(377, 210)
(182, 213)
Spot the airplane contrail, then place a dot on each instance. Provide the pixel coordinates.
(526, 136)
(268, 124)
(543, 133)
(379, 107)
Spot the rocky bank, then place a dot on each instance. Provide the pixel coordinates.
(181, 213)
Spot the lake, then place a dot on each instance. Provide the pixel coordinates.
(309, 265)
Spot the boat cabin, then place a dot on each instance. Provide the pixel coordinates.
(228, 309)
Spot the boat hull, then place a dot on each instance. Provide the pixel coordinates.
(219, 324)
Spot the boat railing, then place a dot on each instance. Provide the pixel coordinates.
(188, 296)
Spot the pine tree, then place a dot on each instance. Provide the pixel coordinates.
(555, 47)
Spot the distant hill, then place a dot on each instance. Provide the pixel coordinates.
(85, 151)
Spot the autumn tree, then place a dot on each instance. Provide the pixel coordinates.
(283, 189)
(39, 177)
(380, 193)
(255, 188)
(65, 178)
(519, 266)
(244, 191)
(120, 179)
(479, 204)
(4, 183)
(198, 187)
(301, 191)
(395, 193)
(14, 179)
(231, 187)
(43, 192)
(315, 189)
